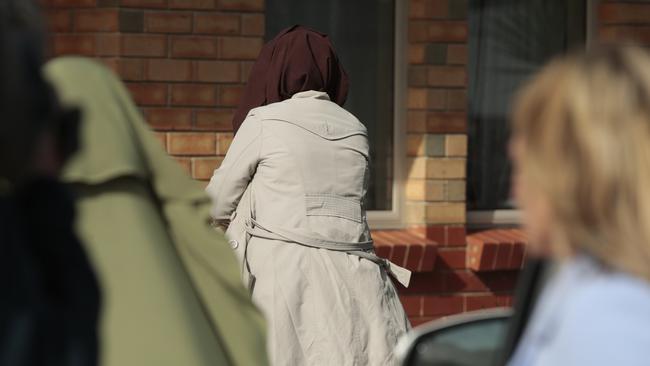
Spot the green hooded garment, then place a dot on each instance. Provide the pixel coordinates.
(170, 282)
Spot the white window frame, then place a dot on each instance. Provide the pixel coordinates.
(513, 217)
(395, 217)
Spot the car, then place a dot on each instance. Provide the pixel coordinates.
(470, 339)
(480, 338)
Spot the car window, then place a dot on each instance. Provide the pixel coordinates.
(475, 343)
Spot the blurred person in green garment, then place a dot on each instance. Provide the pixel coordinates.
(171, 285)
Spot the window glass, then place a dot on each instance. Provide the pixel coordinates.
(509, 40)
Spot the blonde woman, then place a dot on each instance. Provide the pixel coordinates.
(581, 147)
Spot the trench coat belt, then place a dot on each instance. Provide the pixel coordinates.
(360, 249)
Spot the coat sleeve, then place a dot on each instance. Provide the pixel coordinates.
(230, 180)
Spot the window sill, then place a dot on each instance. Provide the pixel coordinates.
(496, 250)
(405, 249)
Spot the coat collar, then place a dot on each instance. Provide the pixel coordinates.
(311, 94)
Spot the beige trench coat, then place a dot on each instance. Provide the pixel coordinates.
(293, 183)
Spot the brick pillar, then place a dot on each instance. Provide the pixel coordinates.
(185, 63)
(437, 136)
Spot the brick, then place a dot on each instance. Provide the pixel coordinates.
(242, 5)
(214, 120)
(465, 281)
(148, 94)
(428, 258)
(59, 20)
(252, 25)
(193, 95)
(445, 213)
(420, 98)
(447, 76)
(455, 236)
(621, 13)
(435, 54)
(416, 121)
(456, 145)
(639, 34)
(223, 142)
(437, 31)
(416, 53)
(415, 213)
(442, 305)
(479, 302)
(194, 47)
(436, 99)
(434, 190)
(108, 3)
(184, 143)
(217, 71)
(168, 70)
(434, 145)
(456, 190)
(414, 256)
(429, 9)
(130, 69)
(417, 98)
(192, 4)
(417, 168)
(425, 190)
(415, 145)
(164, 22)
(96, 20)
(71, 3)
(383, 251)
(422, 321)
(131, 21)
(203, 168)
(144, 45)
(216, 23)
(144, 3)
(457, 100)
(186, 164)
(229, 95)
(457, 54)
(108, 44)
(451, 258)
(416, 189)
(417, 76)
(446, 122)
(412, 305)
(239, 48)
(169, 118)
(398, 255)
(434, 282)
(445, 168)
(73, 44)
(481, 253)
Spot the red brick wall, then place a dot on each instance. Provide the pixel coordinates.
(184, 61)
(624, 20)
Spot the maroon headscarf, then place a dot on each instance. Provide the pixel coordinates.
(298, 59)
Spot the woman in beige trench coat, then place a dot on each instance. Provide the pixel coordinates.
(293, 186)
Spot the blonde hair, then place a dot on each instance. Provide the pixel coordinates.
(585, 126)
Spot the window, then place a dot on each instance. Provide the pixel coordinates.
(363, 33)
(509, 41)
